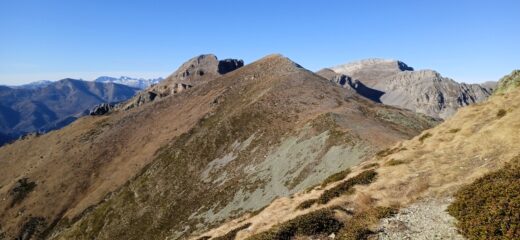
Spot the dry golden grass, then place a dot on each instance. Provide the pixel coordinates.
(436, 163)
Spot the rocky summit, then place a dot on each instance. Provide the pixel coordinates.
(395, 83)
(195, 71)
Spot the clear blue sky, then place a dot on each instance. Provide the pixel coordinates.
(471, 41)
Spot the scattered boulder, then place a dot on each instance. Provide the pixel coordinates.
(101, 109)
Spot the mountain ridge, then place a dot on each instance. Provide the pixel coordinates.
(53, 106)
(416, 181)
(394, 83)
(222, 121)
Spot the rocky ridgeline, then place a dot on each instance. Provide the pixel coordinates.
(509, 82)
(195, 71)
(394, 83)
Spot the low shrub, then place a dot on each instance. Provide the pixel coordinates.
(363, 178)
(358, 226)
(20, 190)
(489, 208)
(388, 151)
(231, 235)
(307, 204)
(501, 113)
(256, 212)
(335, 177)
(371, 165)
(314, 223)
(454, 130)
(33, 228)
(424, 136)
(394, 162)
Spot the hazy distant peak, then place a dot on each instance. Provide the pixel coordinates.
(33, 85)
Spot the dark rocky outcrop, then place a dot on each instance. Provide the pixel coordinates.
(195, 71)
(228, 65)
(101, 109)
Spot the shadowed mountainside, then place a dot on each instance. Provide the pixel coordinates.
(57, 104)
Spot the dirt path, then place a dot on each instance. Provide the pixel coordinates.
(423, 220)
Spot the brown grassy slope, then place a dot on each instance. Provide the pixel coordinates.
(476, 141)
(277, 129)
(77, 166)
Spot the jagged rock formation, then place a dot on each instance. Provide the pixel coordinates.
(176, 167)
(55, 105)
(195, 71)
(509, 82)
(101, 109)
(394, 83)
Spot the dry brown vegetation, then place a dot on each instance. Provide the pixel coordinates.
(233, 233)
(346, 187)
(436, 167)
(394, 162)
(307, 204)
(424, 136)
(20, 190)
(501, 113)
(313, 223)
(143, 173)
(335, 177)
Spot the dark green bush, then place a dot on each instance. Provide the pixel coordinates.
(306, 204)
(33, 228)
(233, 233)
(371, 165)
(501, 113)
(358, 226)
(335, 177)
(454, 130)
(489, 208)
(424, 136)
(363, 178)
(394, 162)
(20, 190)
(314, 223)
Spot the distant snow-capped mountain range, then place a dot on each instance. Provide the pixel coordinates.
(139, 83)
